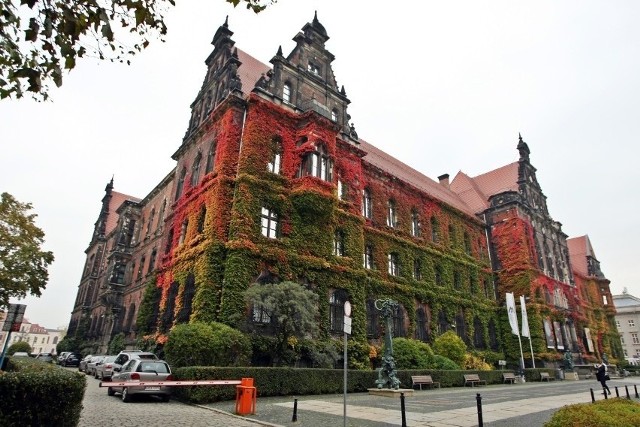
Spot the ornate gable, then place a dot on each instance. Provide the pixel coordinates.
(527, 182)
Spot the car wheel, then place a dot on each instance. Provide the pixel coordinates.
(95, 375)
(125, 395)
(110, 391)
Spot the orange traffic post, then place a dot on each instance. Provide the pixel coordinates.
(246, 397)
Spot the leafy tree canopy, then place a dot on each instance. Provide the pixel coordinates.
(18, 346)
(41, 38)
(23, 264)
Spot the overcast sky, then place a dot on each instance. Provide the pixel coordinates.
(442, 86)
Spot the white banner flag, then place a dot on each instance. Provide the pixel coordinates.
(525, 320)
(511, 310)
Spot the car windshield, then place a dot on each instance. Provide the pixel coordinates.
(109, 359)
(157, 367)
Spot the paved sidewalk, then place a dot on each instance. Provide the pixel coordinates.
(529, 405)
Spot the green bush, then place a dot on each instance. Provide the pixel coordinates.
(206, 344)
(451, 346)
(604, 413)
(19, 346)
(117, 344)
(412, 354)
(444, 363)
(32, 394)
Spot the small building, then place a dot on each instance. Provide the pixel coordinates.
(628, 324)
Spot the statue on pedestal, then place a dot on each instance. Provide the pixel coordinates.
(568, 361)
(387, 376)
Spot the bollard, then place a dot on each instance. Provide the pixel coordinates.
(635, 387)
(627, 390)
(404, 416)
(617, 392)
(593, 398)
(479, 400)
(295, 411)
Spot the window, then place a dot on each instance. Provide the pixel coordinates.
(438, 275)
(183, 231)
(317, 163)
(211, 158)
(435, 230)
(274, 164)
(368, 257)
(394, 264)
(269, 221)
(201, 217)
(169, 242)
(467, 243)
(457, 283)
(398, 316)
(180, 185)
(141, 267)
(618, 324)
(286, 92)
(452, 236)
(161, 215)
(632, 323)
(334, 115)
(391, 214)
(622, 340)
(422, 332)
(260, 314)
(152, 260)
(366, 203)
(336, 310)
(605, 301)
(338, 243)
(415, 224)
(417, 269)
(634, 338)
(342, 190)
(195, 170)
(313, 68)
(373, 321)
(151, 216)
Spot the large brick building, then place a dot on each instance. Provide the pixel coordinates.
(272, 183)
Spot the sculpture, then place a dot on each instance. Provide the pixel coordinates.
(387, 376)
(568, 361)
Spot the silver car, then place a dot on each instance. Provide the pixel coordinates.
(104, 369)
(90, 368)
(143, 371)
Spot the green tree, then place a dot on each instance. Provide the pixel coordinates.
(412, 354)
(207, 344)
(19, 346)
(450, 346)
(289, 308)
(41, 38)
(23, 264)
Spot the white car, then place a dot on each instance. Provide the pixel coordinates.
(144, 371)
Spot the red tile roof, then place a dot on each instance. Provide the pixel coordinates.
(116, 200)
(250, 71)
(579, 249)
(475, 192)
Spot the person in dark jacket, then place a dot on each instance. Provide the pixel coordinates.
(603, 376)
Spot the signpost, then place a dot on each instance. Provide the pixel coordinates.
(12, 324)
(347, 331)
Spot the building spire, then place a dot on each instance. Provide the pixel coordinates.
(523, 148)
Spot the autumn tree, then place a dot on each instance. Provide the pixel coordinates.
(23, 263)
(39, 39)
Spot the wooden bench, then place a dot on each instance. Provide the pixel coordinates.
(545, 376)
(473, 379)
(423, 380)
(508, 376)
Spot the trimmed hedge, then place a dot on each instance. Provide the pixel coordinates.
(35, 393)
(308, 381)
(604, 413)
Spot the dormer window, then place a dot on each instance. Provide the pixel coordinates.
(334, 115)
(317, 163)
(313, 68)
(286, 92)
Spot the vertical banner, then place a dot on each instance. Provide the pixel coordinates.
(558, 330)
(511, 310)
(548, 333)
(525, 320)
(587, 336)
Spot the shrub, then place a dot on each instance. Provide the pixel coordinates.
(604, 413)
(412, 354)
(117, 344)
(206, 344)
(476, 363)
(444, 364)
(450, 346)
(18, 346)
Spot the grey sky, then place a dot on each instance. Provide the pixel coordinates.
(442, 86)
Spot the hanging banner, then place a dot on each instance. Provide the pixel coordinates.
(558, 331)
(511, 311)
(548, 333)
(587, 336)
(525, 320)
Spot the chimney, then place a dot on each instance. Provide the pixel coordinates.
(444, 180)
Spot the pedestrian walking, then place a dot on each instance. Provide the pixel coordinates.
(602, 375)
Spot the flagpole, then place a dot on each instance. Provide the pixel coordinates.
(525, 328)
(513, 321)
(533, 360)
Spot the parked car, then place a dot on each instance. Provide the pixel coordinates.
(90, 368)
(82, 366)
(72, 359)
(125, 355)
(45, 357)
(142, 370)
(104, 370)
(62, 356)
(20, 354)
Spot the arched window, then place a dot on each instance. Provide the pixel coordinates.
(317, 163)
(336, 310)
(461, 326)
(443, 323)
(188, 292)
(373, 320)
(399, 318)
(435, 230)
(366, 203)
(274, 164)
(211, 158)
(286, 92)
(195, 170)
(391, 214)
(180, 185)
(478, 334)
(422, 325)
